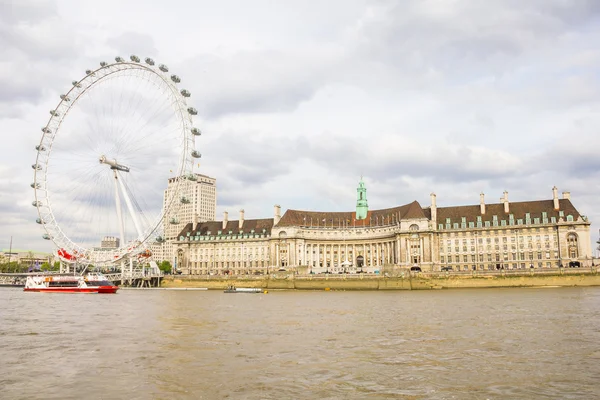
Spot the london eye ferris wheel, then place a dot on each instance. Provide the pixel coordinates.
(105, 157)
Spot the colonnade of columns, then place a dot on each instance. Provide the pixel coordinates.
(375, 254)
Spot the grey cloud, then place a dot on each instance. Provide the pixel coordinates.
(36, 49)
(388, 158)
(251, 158)
(136, 43)
(13, 12)
(464, 40)
(260, 81)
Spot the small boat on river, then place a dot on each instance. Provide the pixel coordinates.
(90, 283)
(233, 289)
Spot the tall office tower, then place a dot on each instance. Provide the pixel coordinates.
(197, 196)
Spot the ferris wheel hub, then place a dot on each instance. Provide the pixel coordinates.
(113, 164)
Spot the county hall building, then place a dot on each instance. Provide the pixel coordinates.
(505, 235)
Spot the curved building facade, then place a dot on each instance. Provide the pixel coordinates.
(532, 234)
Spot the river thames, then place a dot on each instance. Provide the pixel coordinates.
(161, 344)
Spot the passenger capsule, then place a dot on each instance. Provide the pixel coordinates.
(149, 61)
(37, 167)
(185, 93)
(39, 147)
(192, 177)
(64, 97)
(36, 203)
(196, 154)
(163, 68)
(175, 78)
(184, 200)
(196, 132)
(174, 221)
(76, 84)
(46, 130)
(39, 221)
(134, 58)
(160, 239)
(89, 72)
(192, 111)
(46, 236)
(119, 59)
(54, 113)
(35, 185)
(103, 63)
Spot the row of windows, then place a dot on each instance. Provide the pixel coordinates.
(495, 222)
(497, 266)
(499, 257)
(489, 248)
(505, 239)
(503, 232)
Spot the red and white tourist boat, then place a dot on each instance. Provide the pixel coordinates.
(90, 283)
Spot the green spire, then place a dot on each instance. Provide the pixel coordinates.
(361, 200)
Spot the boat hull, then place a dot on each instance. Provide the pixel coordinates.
(243, 290)
(97, 289)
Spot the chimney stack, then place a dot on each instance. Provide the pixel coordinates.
(241, 219)
(555, 198)
(276, 214)
(195, 223)
(433, 209)
(567, 195)
(225, 219)
(482, 203)
(506, 202)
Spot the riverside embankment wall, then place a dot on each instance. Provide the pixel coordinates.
(374, 282)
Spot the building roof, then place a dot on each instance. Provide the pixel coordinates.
(387, 216)
(258, 225)
(518, 209)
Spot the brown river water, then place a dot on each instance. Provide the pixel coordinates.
(161, 344)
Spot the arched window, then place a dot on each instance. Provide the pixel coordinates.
(413, 227)
(572, 245)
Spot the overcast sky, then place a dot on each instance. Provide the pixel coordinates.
(298, 99)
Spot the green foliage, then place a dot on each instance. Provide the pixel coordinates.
(165, 266)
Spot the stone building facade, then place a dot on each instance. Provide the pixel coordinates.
(539, 234)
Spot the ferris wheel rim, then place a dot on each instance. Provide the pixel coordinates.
(182, 113)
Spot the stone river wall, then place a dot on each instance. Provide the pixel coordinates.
(406, 281)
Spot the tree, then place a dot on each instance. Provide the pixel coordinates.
(165, 267)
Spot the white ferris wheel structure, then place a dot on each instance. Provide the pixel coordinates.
(104, 159)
